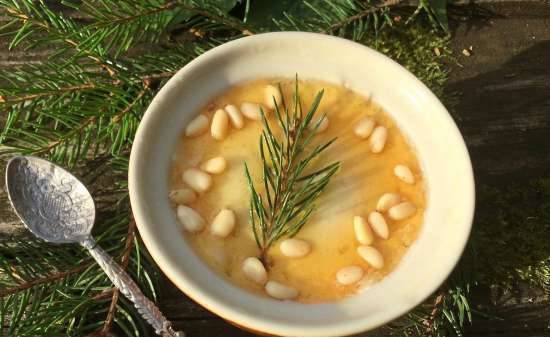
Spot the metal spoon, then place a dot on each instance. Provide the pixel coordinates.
(56, 207)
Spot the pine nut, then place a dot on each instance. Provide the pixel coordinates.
(220, 125)
(364, 127)
(295, 248)
(401, 211)
(197, 180)
(372, 256)
(235, 116)
(280, 291)
(363, 233)
(386, 201)
(182, 196)
(378, 139)
(349, 275)
(379, 225)
(223, 223)
(197, 126)
(404, 173)
(254, 270)
(272, 92)
(252, 111)
(214, 165)
(323, 124)
(190, 219)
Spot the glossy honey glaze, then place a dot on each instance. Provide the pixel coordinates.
(354, 190)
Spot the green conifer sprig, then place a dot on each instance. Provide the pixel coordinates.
(291, 189)
(349, 18)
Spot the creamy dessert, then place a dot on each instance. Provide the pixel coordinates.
(356, 228)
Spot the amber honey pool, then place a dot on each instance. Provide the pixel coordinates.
(363, 223)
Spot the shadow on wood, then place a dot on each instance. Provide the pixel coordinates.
(504, 116)
(503, 111)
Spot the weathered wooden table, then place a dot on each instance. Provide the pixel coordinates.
(504, 114)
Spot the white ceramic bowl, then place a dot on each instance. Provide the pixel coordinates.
(443, 155)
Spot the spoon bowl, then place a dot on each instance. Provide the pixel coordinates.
(52, 203)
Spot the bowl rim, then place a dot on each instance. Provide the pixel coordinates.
(211, 303)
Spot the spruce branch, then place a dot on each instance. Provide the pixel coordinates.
(17, 99)
(120, 25)
(116, 118)
(62, 298)
(157, 76)
(98, 13)
(26, 284)
(34, 17)
(107, 293)
(66, 137)
(290, 187)
(359, 16)
(116, 26)
(214, 15)
(354, 19)
(103, 111)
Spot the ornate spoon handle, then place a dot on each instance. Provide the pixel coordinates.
(130, 289)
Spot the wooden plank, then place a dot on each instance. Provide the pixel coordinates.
(523, 320)
(523, 310)
(503, 109)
